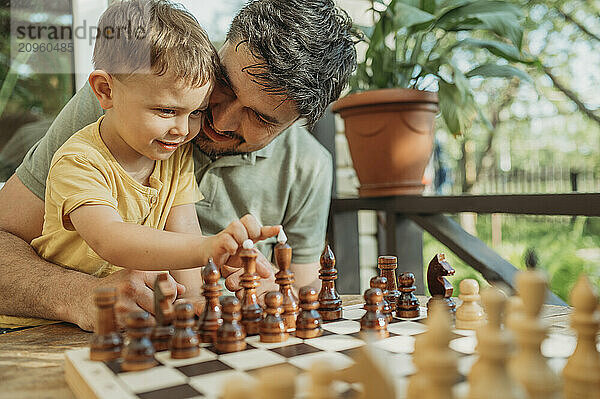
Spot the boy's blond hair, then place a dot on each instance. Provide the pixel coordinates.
(154, 36)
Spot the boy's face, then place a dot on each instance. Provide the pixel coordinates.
(155, 115)
(241, 116)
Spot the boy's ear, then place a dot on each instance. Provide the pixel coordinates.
(102, 85)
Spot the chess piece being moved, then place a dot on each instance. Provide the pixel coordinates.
(330, 304)
(251, 310)
(285, 278)
(164, 313)
(106, 342)
(528, 366)
(272, 327)
(308, 323)
(231, 335)
(408, 304)
(469, 315)
(387, 268)
(185, 343)
(374, 322)
(582, 371)
(210, 320)
(381, 283)
(439, 287)
(489, 378)
(138, 353)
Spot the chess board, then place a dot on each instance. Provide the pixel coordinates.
(204, 376)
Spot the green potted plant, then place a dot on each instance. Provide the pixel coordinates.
(415, 46)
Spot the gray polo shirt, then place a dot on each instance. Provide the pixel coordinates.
(288, 182)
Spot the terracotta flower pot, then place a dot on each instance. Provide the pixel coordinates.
(390, 134)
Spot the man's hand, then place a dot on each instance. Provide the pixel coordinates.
(134, 293)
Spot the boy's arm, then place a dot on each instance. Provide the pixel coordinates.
(144, 248)
(183, 219)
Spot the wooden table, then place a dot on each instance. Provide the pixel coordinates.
(32, 360)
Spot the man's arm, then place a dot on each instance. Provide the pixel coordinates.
(33, 287)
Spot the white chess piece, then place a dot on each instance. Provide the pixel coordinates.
(469, 315)
(582, 371)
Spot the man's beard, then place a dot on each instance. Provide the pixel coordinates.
(207, 146)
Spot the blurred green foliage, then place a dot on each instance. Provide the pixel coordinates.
(565, 246)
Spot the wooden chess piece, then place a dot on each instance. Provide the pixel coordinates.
(278, 382)
(374, 322)
(251, 310)
(138, 352)
(528, 366)
(381, 283)
(322, 377)
(371, 370)
(408, 304)
(308, 323)
(330, 304)
(272, 327)
(106, 343)
(440, 288)
(185, 343)
(582, 371)
(231, 335)
(285, 278)
(210, 320)
(489, 378)
(469, 315)
(164, 313)
(417, 383)
(439, 362)
(387, 268)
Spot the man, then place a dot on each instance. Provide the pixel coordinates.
(283, 61)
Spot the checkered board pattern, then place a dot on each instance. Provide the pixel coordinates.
(204, 376)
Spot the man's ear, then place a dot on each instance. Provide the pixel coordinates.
(102, 85)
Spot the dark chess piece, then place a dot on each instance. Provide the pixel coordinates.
(230, 335)
(387, 268)
(185, 343)
(106, 343)
(330, 304)
(381, 283)
(408, 304)
(164, 312)
(374, 322)
(308, 323)
(285, 278)
(440, 288)
(210, 320)
(251, 310)
(272, 327)
(138, 353)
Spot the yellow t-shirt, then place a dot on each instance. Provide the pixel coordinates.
(84, 172)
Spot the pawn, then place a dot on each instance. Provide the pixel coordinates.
(381, 283)
(184, 343)
(308, 323)
(408, 304)
(210, 320)
(374, 321)
(138, 353)
(582, 371)
(322, 377)
(276, 383)
(330, 304)
(164, 313)
(469, 315)
(272, 327)
(231, 335)
(106, 342)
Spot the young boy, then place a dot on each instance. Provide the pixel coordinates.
(117, 183)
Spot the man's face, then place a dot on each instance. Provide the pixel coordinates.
(241, 116)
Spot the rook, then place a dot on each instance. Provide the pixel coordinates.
(106, 342)
(387, 268)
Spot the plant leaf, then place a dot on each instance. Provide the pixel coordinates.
(407, 16)
(429, 6)
(448, 106)
(499, 17)
(498, 71)
(499, 49)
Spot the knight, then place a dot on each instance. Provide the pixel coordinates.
(439, 287)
